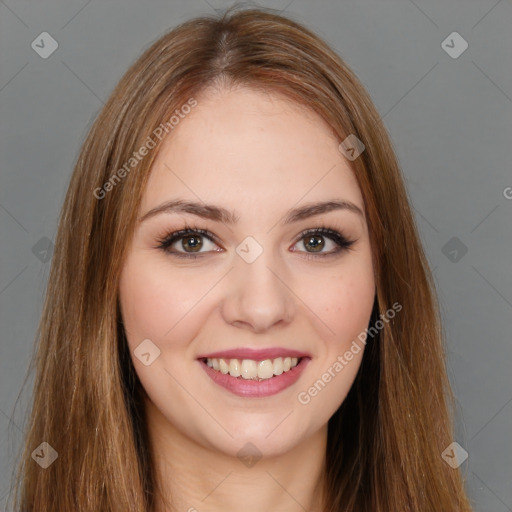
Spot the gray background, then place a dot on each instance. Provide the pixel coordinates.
(450, 120)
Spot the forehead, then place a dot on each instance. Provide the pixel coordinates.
(247, 149)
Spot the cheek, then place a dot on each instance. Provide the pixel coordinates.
(345, 304)
(155, 303)
(345, 301)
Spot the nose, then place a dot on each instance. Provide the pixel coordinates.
(257, 297)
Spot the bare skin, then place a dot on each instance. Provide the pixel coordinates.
(259, 156)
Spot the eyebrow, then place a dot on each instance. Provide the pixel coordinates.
(220, 214)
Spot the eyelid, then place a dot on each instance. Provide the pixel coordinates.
(165, 241)
(342, 242)
(325, 231)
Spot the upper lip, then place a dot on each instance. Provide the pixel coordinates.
(259, 354)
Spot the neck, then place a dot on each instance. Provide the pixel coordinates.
(195, 478)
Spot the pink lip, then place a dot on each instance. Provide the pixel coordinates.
(256, 389)
(256, 354)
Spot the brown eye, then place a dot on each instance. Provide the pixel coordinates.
(314, 241)
(192, 241)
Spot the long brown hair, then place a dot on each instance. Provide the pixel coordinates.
(385, 441)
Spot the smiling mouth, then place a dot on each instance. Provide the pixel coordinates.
(250, 369)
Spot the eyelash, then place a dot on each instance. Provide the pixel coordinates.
(167, 240)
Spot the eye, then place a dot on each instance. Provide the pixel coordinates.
(192, 240)
(314, 239)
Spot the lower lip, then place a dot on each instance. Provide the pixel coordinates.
(254, 388)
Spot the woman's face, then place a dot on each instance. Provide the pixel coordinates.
(256, 282)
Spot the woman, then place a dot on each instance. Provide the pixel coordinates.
(239, 310)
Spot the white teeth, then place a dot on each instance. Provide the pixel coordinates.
(278, 366)
(265, 369)
(234, 368)
(224, 368)
(249, 369)
(253, 370)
